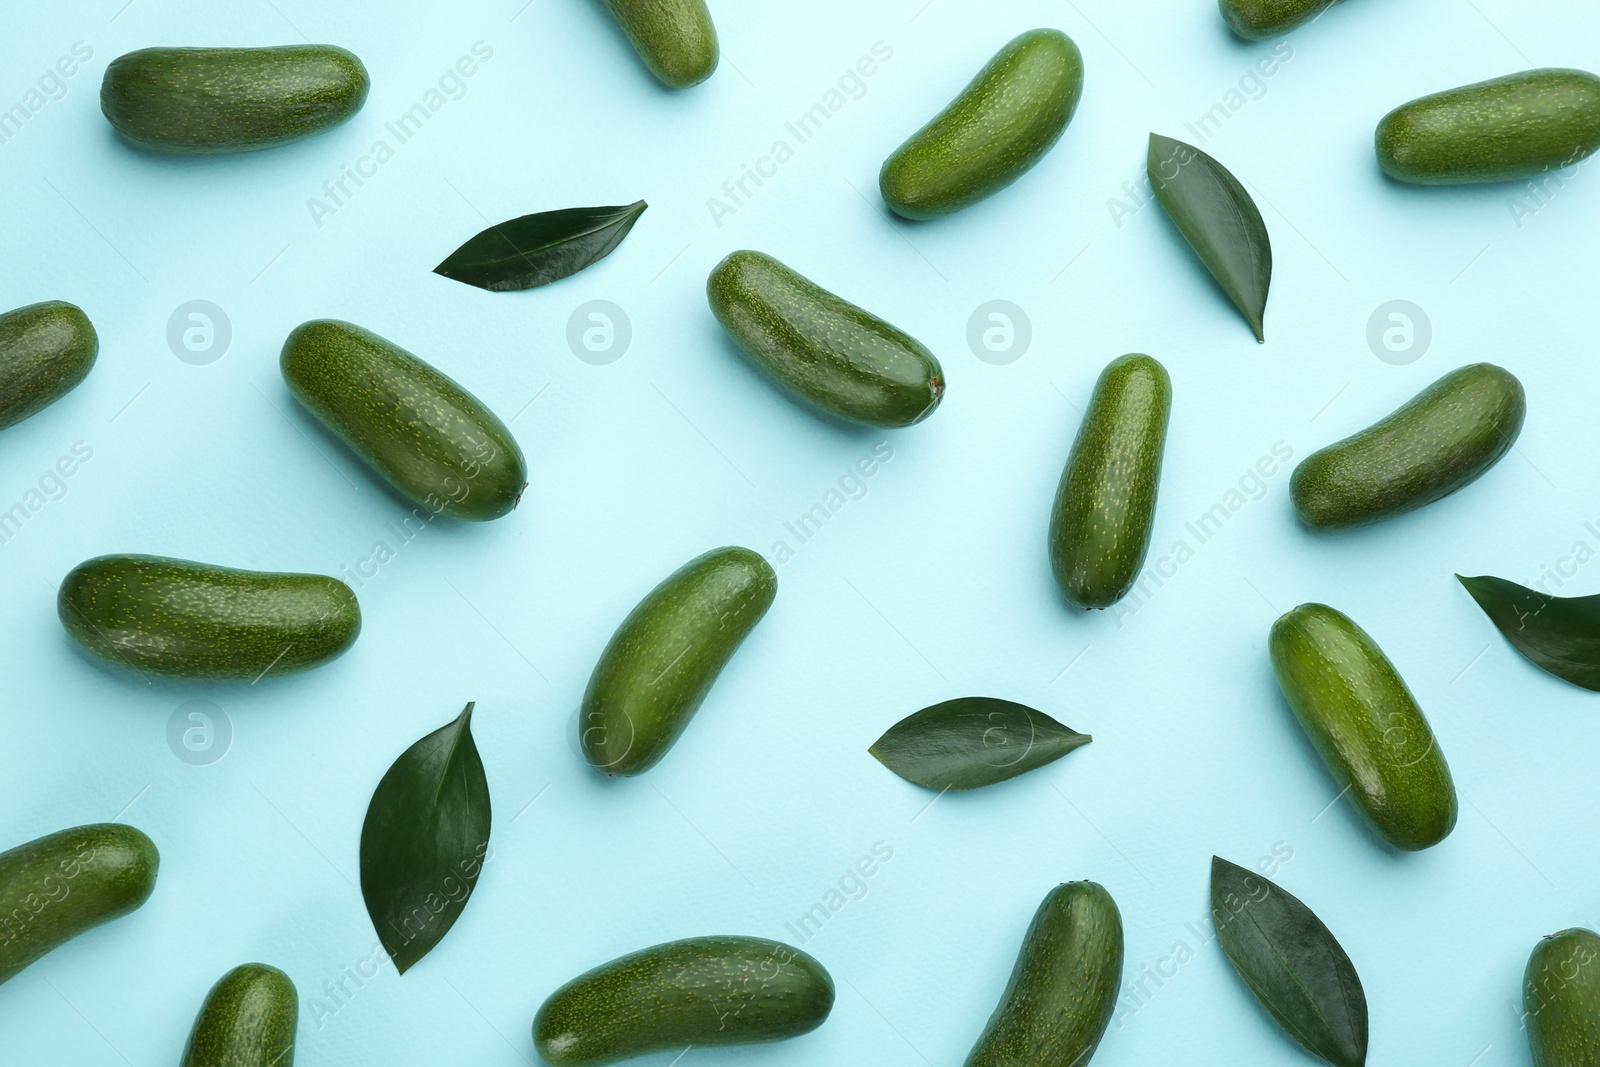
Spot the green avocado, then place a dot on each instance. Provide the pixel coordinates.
(1105, 505)
(675, 38)
(427, 436)
(1258, 20)
(663, 659)
(162, 616)
(705, 992)
(45, 351)
(248, 1020)
(1063, 989)
(1561, 1000)
(828, 352)
(1443, 439)
(199, 101)
(55, 888)
(990, 135)
(1365, 725)
(1505, 129)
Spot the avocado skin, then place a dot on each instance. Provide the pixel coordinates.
(1063, 989)
(171, 617)
(675, 38)
(436, 443)
(1443, 439)
(1561, 1000)
(660, 664)
(248, 1020)
(69, 882)
(1105, 504)
(992, 133)
(1503, 129)
(828, 352)
(1365, 725)
(703, 991)
(1260, 20)
(205, 101)
(46, 349)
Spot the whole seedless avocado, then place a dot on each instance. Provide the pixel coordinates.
(1259, 20)
(990, 135)
(1504, 129)
(172, 617)
(675, 38)
(704, 992)
(1365, 725)
(55, 888)
(45, 351)
(1443, 439)
(824, 350)
(212, 100)
(1105, 505)
(248, 1020)
(663, 659)
(427, 436)
(1063, 988)
(1561, 1000)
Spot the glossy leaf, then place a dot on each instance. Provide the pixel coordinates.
(972, 742)
(1218, 219)
(1291, 962)
(425, 840)
(539, 249)
(1560, 634)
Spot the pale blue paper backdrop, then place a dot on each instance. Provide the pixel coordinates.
(930, 580)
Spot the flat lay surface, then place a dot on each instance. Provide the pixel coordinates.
(650, 440)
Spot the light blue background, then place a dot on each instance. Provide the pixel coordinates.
(932, 585)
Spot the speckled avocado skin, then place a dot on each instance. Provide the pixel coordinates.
(704, 991)
(1561, 1000)
(830, 353)
(431, 439)
(675, 38)
(172, 617)
(990, 135)
(55, 888)
(1443, 439)
(1106, 502)
(1365, 724)
(248, 1020)
(1504, 129)
(1063, 989)
(200, 101)
(661, 662)
(1258, 20)
(45, 351)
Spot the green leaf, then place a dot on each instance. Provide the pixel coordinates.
(1218, 219)
(1291, 963)
(425, 841)
(1560, 634)
(539, 249)
(972, 742)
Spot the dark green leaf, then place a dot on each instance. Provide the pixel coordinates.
(425, 841)
(1560, 634)
(972, 742)
(540, 249)
(1291, 963)
(1218, 219)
